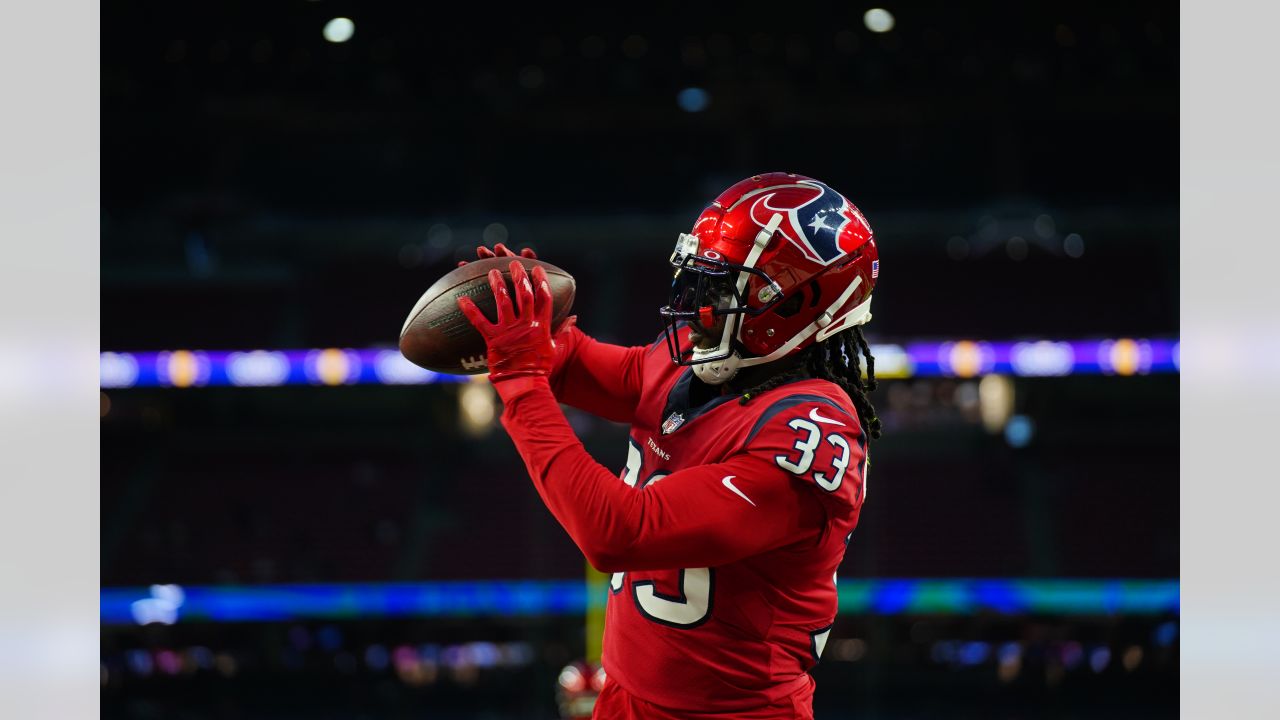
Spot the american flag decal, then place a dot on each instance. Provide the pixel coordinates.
(875, 269)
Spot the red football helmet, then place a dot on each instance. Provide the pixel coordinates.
(577, 688)
(783, 259)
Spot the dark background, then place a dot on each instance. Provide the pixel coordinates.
(264, 188)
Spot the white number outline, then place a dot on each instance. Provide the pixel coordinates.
(866, 470)
(806, 448)
(840, 464)
(689, 609)
(635, 460)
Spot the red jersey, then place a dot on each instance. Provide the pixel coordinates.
(722, 537)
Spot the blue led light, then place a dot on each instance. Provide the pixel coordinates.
(693, 99)
(531, 598)
(973, 653)
(384, 366)
(1018, 431)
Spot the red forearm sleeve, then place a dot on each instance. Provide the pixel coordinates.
(692, 518)
(603, 379)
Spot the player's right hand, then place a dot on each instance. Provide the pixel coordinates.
(500, 250)
(519, 344)
(559, 336)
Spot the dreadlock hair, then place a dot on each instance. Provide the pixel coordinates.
(834, 359)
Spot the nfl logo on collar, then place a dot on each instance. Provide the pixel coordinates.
(672, 423)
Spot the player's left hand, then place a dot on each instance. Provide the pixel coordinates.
(519, 344)
(500, 250)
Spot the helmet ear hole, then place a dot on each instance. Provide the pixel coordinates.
(817, 293)
(791, 305)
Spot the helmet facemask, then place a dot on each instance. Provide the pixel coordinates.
(709, 295)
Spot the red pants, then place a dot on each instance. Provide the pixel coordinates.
(615, 703)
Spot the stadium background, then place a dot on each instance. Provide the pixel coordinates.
(315, 530)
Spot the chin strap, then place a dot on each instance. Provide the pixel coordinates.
(823, 326)
(718, 372)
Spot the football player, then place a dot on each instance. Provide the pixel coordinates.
(747, 462)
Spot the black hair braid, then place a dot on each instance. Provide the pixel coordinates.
(797, 373)
(835, 359)
(848, 375)
(858, 337)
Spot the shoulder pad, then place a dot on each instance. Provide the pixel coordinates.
(817, 441)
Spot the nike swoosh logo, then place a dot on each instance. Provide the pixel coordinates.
(728, 482)
(814, 416)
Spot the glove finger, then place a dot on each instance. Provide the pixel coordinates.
(501, 250)
(462, 263)
(501, 296)
(474, 316)
(529, 253)
(484, 253)
(543, 301)
(524, 291)
(562, 332)
(566, 324)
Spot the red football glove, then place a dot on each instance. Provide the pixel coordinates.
(519, 344)
(500, 250)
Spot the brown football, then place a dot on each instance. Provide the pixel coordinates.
(437, 337)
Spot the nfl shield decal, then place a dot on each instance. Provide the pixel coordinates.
(673, 423)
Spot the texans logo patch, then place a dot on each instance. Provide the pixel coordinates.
(817, 225)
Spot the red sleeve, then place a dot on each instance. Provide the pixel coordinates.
(819, 444)
(691, 518)
(602, 379)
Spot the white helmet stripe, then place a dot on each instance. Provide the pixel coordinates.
(824, 320)
(762, 241)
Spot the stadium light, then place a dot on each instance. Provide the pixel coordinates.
(995, 401)
(477, 408)
(1073, 245)
(693, 99)
(878, 20)
(339, 30)
(494, 233)
(386, 366)
(530, 597)
(1019, 431)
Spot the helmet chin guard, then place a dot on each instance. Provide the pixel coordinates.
(716, 372)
